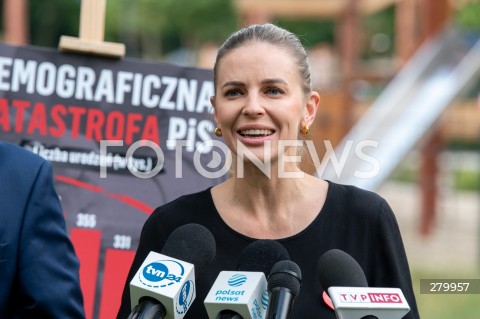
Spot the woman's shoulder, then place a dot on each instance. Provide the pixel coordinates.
(192, 201)
(189, 207)
(350, 198)
(353, 192)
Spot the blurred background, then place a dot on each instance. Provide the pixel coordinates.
(384, 68)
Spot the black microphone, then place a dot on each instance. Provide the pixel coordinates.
(337, 268)
(164, 286)
(283, 287)
(343, 278)
(242, 294)
(261, 255)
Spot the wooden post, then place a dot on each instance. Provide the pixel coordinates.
(91, 35)
(92, 19)
(406, 30)
(15, 21)
(436, 13)
(348, 38)
(428, 181)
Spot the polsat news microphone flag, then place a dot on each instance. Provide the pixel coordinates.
(129, 117)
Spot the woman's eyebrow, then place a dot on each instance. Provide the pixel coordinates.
(266, 81)
(233, 83)
(274, 81)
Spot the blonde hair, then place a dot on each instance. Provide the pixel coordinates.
(274, 35)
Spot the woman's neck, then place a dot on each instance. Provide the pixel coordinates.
(269, 207)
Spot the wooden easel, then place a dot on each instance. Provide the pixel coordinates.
(91, 35)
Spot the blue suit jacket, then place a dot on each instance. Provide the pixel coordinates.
(39, 271)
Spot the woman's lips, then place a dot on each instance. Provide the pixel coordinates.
(254, 136)
(256, 133)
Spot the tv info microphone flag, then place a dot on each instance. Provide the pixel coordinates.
(344, 279)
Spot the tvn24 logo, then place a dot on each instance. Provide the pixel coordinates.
(162, 273)
(167, 273)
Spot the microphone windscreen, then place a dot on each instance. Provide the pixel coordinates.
(338, 269)
(192, 243)
(285, 274)
(261, 255)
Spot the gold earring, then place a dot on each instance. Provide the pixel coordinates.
(304, 130)
(218, 132)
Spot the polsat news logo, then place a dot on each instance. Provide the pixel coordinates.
(371, 297)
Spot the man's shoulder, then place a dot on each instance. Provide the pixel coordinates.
(16, 155)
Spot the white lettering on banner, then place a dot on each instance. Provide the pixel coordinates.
(150, 81)
(65, 84)
(370, 298)
(119, 87)
(105, 87)
(183, 129)
(85, 80)
(185, 95)
(166, 100)
(25, 73)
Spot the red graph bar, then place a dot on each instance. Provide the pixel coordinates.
(117, 265)
(87, 243)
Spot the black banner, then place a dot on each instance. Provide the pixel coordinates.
(124, 136)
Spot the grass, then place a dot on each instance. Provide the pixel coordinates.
(466, 180)
(446, 306)
(463, 180)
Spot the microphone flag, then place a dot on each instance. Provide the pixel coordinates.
(358, 302)
(244, 292)
(169, 280)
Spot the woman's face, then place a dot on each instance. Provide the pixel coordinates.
(259, 99)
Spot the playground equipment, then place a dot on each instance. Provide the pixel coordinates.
(408, 108)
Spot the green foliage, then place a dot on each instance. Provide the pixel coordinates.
(51, 19)
(467, 180)
(448, 306)
(310, 32)
(405, 175)
(463, 180)
(200, 20)
(147, 28)
(381, 22)
(152, 28)
(469, 16)
(168, 24)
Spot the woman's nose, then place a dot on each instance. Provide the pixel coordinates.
(253, 106)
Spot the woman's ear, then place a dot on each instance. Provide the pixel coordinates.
(212, 101)
(311, 108)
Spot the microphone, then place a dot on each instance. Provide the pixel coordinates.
(164, 285)
(283, 287)
(242, 294)
(344, 279)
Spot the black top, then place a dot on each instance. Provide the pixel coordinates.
(356, 221)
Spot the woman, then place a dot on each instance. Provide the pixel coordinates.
(263, 101)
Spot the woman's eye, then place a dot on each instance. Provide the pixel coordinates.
(274, 91)
(233, 93)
